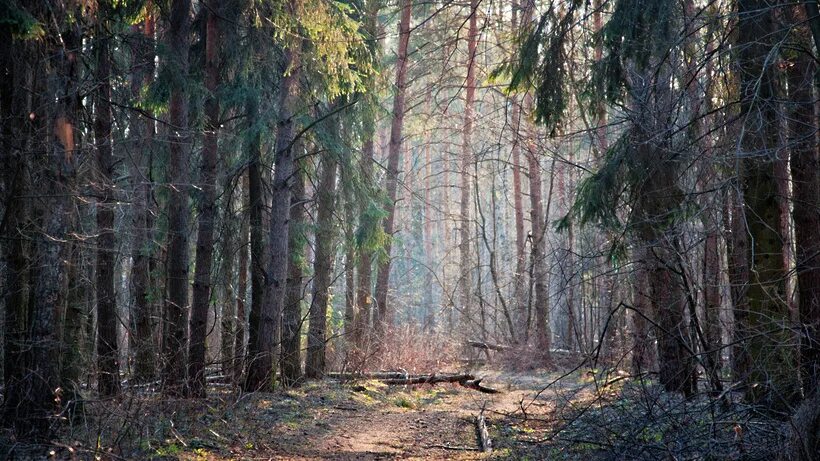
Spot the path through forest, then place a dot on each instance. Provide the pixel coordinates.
(372, 421)
(361, 420)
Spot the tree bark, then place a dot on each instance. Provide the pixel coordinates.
(207, 208)
(381, 315)
(176, 306)
(806, 195)
(142, 52)
(292, 314)
(108, 364)
(323, 262)
(263, 350)
(465, 265)
(241, 290)
(767, 337)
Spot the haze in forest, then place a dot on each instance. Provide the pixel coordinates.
(370, 229)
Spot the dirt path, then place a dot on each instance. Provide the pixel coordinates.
(405, 423)
(324, 420)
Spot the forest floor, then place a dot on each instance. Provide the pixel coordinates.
(579, 414)
(360, 420)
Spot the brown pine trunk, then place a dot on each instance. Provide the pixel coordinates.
(806, 197)
(519, 285)
(259, 257)
(16, 167)
(263, 351)
(772, 378)
(143, 344)
(381, 315)
(465, 265)
(207, 209)
(292, 310)
(108, 364)
(176, 306)
(241, 291)
(322, 266)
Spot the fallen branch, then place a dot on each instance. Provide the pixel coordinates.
(488, 346)
(428, 379)
(483, 434)
(476, 384)
(403, 379)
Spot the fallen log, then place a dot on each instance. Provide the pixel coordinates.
(488, 346)
(403, 379)
(367, 375)
(476, 384)
(428, 379)
(483, 434)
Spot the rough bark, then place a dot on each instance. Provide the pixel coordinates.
(292, 313)
(771, 379)
(802, 127)
(382, 312)
(142, 52)
(466, 158)
(176, 305)
(263, 351)
(259, 257)
(322, 264)
(241, 291)
(108, 379)
(206, 206)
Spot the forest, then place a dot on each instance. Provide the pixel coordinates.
(404, 229)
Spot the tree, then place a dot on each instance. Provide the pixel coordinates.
(771, 377)
(107, 342)
(325, 254)
(382, 313)
(176, 305)
(207, 205)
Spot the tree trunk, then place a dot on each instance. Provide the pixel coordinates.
(806, 197)
(108, 363)
(176, 306)
(241, 290)
(263, 351)
(259, 257)
(292, 314)
(142, 52)
(16, 169)
(207, 208)
(767, 337)
(381, 315)
(323, 262)
(465, 265)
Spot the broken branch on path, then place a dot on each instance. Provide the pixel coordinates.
(483, 434)
(488, 346)
(403, 379)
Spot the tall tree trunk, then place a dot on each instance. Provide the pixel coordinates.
(806, 196)
(767, 337)
(540, 274)
(465, 277)
(207, 208)
(323, 262)
(241, 291)
(142, 129)
(263, 351)
(382, 313)
(176, 306)
(519, 285)
(292, 313)
(16, 169)
(361, 320)
(108, 363)
(659, 196)
(259, 257)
